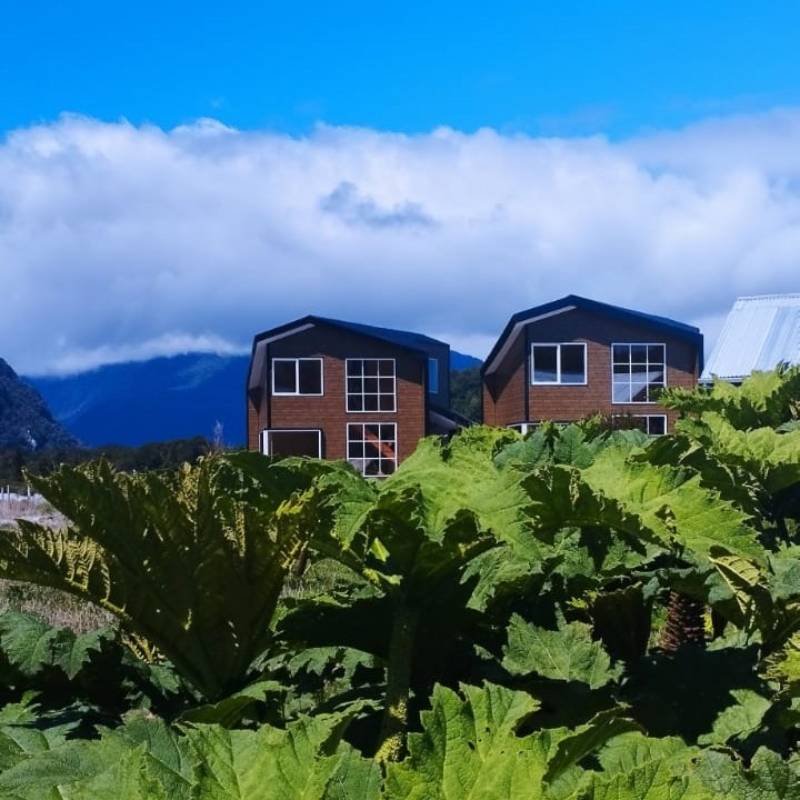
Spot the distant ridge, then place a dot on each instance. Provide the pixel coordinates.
(25, 420)
(163, 398)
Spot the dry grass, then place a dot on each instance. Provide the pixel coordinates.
(53, 606)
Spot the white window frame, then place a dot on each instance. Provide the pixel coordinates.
(433, 369)
(647, 417)
(298, 393)
(558, 346)
(362, 425)
(637, 344)
(347, 392)
(267, 431)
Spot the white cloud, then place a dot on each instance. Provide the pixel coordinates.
(120, 242)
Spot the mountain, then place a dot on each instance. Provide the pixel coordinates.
(25, 420)
(459, 361)
(164, 398)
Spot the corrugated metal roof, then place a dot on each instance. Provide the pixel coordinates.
(759, 333)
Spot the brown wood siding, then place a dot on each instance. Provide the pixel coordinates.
(329, 411)
(562, 403)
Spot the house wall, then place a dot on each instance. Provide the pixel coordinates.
(598, 331)
(504, 389)
(328, 412)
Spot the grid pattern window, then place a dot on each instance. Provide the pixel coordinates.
(372, 448)
(371, 384)
(558, 364)
(433, 375)
(651, 424)
(295, 376)
(639, 372)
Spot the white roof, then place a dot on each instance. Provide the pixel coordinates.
(759, 333)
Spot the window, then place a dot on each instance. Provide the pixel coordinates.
(372, 448)
(639, 372)
(651, 424)
(433, 375)
(558, 363)
(292, 443)
(370, 384)
(297, 376)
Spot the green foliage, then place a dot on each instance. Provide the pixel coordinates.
(465, 392)
(17, 463)
(193, 561)
(484, 623)
(566, 654)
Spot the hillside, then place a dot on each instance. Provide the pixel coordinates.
(25, 420)
(164, 398)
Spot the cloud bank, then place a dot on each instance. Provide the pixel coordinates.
(121, 242)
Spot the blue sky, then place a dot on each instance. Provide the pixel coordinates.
(554, 68)
(177, 176)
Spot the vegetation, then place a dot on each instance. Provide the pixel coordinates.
(577, 614)
(15, 462)
(465, 392)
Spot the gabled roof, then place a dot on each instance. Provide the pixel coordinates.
(759, 333)
(416, 343)
(570, 303)
(406, 339)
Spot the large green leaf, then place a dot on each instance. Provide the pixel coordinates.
(307, 761)
(471, 749)
(637, 767)
(31, 645)
(194, 560)
(764, 399)
(739, 720)
(673, 506)
(769, 777)
(566, 654)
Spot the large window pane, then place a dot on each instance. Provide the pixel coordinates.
(622, 392)
(294, 443)
(545, 363)
(573, 366)
(310, 376)
(638, 354)
(622, 354)
(285, 376)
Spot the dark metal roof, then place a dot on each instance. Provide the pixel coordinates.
(416, 342)
(573, 301)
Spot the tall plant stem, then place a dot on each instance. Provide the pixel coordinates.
(398, 682)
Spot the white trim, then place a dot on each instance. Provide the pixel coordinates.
(433, 389)
(297, 361)
(503, 351)
(362, 425)
(290, 332)
(267, 431)
(558, 381)
(647, 417)
(347, 408)
(637, 344)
